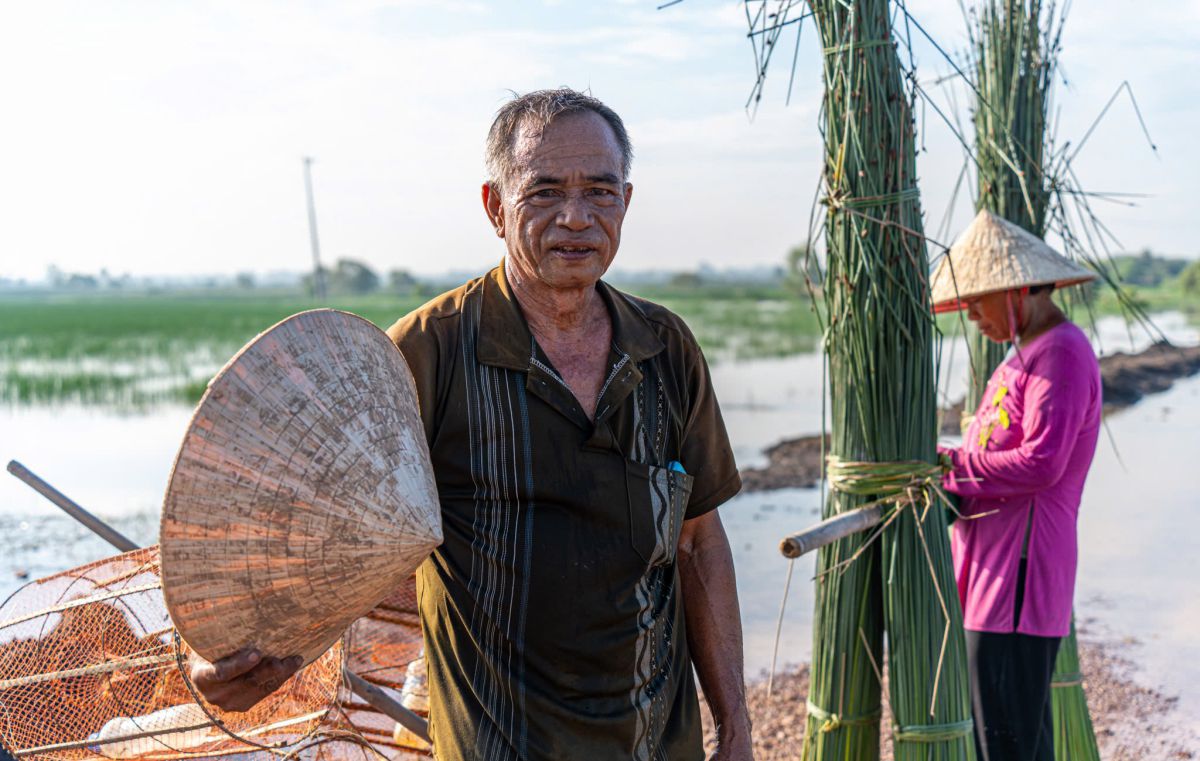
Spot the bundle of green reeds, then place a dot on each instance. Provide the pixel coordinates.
(1014, 68)
(1015, 50)
(882, 392)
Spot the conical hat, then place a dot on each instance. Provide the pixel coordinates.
(302, 494)
(993, 255)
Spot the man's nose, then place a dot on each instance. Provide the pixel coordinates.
(575, 213)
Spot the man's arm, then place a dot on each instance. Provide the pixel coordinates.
(714, 630)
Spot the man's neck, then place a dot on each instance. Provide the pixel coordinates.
(555, 310)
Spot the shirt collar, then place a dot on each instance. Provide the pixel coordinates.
(506, 341)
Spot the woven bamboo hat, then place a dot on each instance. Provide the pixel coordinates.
(302, 494)
(994, 255)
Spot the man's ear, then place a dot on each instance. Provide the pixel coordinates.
(628, 194)
(492, 207)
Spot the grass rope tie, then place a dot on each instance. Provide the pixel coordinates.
(856, 45)
(1067, 680)
(841, 201)
(831, 722)
(901, 483)
(933, 733)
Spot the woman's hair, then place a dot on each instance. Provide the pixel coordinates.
(1043, 288)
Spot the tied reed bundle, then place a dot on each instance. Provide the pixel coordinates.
(1016, 46)
(881, 377)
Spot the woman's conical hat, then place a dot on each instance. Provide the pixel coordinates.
(302, 494)
(993, 255)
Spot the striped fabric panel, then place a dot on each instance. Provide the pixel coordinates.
(501, 471)
(652, 649)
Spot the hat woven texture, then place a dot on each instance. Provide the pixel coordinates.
(994, 255)
(302, 494)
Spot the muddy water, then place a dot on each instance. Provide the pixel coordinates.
(1138, 527)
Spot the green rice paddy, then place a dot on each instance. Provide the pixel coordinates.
(133, 353)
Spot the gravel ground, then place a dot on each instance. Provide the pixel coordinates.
(1133, 723)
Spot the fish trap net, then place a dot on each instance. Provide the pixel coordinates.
(384, 647)
(91, 668)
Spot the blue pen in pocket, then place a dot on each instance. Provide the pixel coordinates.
(676, 466)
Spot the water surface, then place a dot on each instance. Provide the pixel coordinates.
(1140, 516)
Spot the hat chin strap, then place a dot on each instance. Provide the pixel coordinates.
(1014, 313)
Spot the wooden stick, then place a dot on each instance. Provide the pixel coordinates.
(388, 705)
(107, 667)
(830, 530)
(378, 699)
(98, 527)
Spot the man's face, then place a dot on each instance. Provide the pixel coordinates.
(560, 210)
(989, 312)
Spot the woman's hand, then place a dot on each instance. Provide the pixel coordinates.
(238, 682)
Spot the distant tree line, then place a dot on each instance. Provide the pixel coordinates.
(355, 278)
(1148, 269)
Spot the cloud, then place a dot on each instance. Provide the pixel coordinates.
(168, 137)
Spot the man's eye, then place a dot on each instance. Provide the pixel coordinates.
(601, 192)
(546, 193)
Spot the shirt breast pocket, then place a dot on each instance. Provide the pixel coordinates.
(658, 499)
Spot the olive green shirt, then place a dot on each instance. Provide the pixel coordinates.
(553, 623)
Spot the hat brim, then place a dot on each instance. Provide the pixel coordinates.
(960, 303)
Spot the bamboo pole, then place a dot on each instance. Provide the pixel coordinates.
(72, 508)
(379, 699)
(831, 530)
(373, 695)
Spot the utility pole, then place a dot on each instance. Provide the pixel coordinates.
(318, 283)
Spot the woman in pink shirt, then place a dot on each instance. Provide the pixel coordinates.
(1020, 473)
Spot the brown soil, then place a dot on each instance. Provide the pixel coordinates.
(1132, 722)
(1129, 377)
(796, 463)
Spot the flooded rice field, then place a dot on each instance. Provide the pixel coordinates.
(1138, 524)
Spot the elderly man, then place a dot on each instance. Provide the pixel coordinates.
(580, 457)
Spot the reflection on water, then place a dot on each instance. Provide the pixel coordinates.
(1140, 516)
(1137, 537)
(110, 464)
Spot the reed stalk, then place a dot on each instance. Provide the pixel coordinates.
(879, 348)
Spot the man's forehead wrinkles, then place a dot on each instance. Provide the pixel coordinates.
(532, 178)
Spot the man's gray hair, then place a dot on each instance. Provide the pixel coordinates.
(536, 110)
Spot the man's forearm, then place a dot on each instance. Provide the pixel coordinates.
(714, 626)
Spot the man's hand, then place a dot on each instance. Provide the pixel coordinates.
(238, 682)
(733, 742)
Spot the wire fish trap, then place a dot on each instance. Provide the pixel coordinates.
(91, 668)
(382, 647)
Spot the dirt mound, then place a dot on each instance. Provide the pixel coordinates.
(1129, 377)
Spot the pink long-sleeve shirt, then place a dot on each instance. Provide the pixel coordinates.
(1024, 460)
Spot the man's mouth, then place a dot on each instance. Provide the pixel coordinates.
(573, 252)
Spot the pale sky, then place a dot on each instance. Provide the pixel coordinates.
(166, 137)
